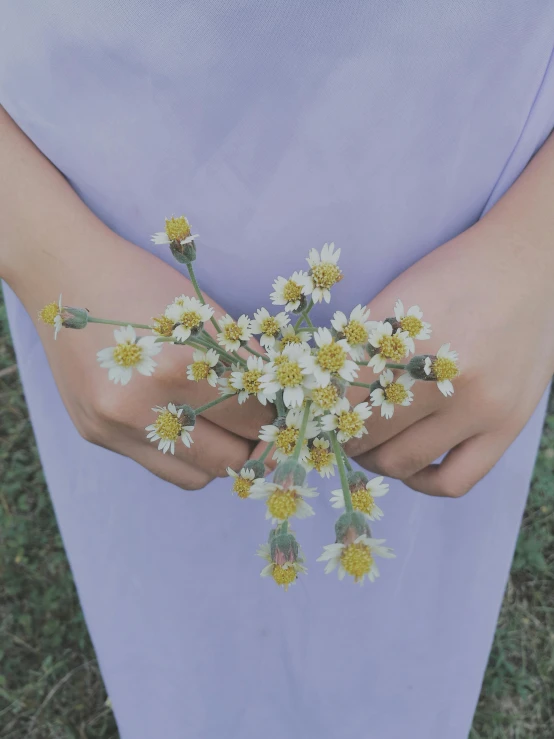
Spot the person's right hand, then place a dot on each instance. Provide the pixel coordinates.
(118, 280)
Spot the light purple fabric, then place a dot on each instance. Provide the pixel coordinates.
(387, 127)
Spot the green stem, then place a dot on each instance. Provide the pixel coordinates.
(284, 528)
(91, 319)
(199, 293)
(360, 384)
(266, 451)
(310, 324)
(205, 407)
(302, 433)
(281, 410)
(304, 315)
(342, 471)
(391, 365)
(346, 460)
(257, 354)
(206, 341)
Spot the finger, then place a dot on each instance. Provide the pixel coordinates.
(462, 468)
(213, 449)
(270, 462)
(382, 429)
(416, 447)
(169, 468)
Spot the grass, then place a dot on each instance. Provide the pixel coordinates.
(50, 685)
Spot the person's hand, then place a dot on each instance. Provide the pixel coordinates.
(488, 292)
(121, 281)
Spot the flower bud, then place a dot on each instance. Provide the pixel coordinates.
(416, 367)
(396, 325)
(255, 465)
(357, 480)
(289, 474)
(280, 422)
(188, 416)
(340, 384)
(220, 369)
(351, 525)
(283, 546)
(183, 253)
(74, 317)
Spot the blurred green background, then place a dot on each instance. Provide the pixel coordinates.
(50, 685)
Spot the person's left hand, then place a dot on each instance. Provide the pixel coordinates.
(489, 293)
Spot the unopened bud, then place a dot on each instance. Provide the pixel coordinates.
(351, 525)
(283, 546)
(396, 325)
(357, 480)
(188, 416)
(256, 466)
(289, 474)
(74, 317)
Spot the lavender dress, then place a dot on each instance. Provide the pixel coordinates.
(387, 127)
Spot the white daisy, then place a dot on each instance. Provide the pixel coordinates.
(283, 503)
(363, 498)
(392, 392)
(354, 329)
(202, 368)
(176, 229)
(356, 558)
(188, 315)
(412, 321)
(168, 428)
(284, 437)
(331, 358)
(233, 333)
(51, 314)
(323, 273)
(243, 481)
(289, 292)
(291, 335)
(348, 422)
(283, 571)
(248, 381)
(443, 368)
(320, 458)
(393, 347)
(268, 326)
(287, 371)
(129, 353)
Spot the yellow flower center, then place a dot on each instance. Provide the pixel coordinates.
(200, 370)
(232, 332)
(162, 325)
(282, 504)
(355, 333)
(320, 457)
(357, 560)
(331, 357)
(350, 423)
(396, 393)
(168, 426)
(292, 291)
(393, 347)
(127, 355)
(291, 339)
(250, 380)
(411, 324)
(270, 326)
(177, 229)
(242, 486)
(445, 368)
(284, 575)
(48, 313)
(288, 373)
(326, 397)
(190, 319)
(286, 440)
(362, 500)
(325, 275)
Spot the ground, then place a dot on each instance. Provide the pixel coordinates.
(50, 685)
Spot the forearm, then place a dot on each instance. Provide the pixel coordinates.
(46, 232)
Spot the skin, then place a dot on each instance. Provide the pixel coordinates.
(489, 292)
(44, 224)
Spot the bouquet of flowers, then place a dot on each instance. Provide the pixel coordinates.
(304, 371)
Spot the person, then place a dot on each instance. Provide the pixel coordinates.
(414, 136)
